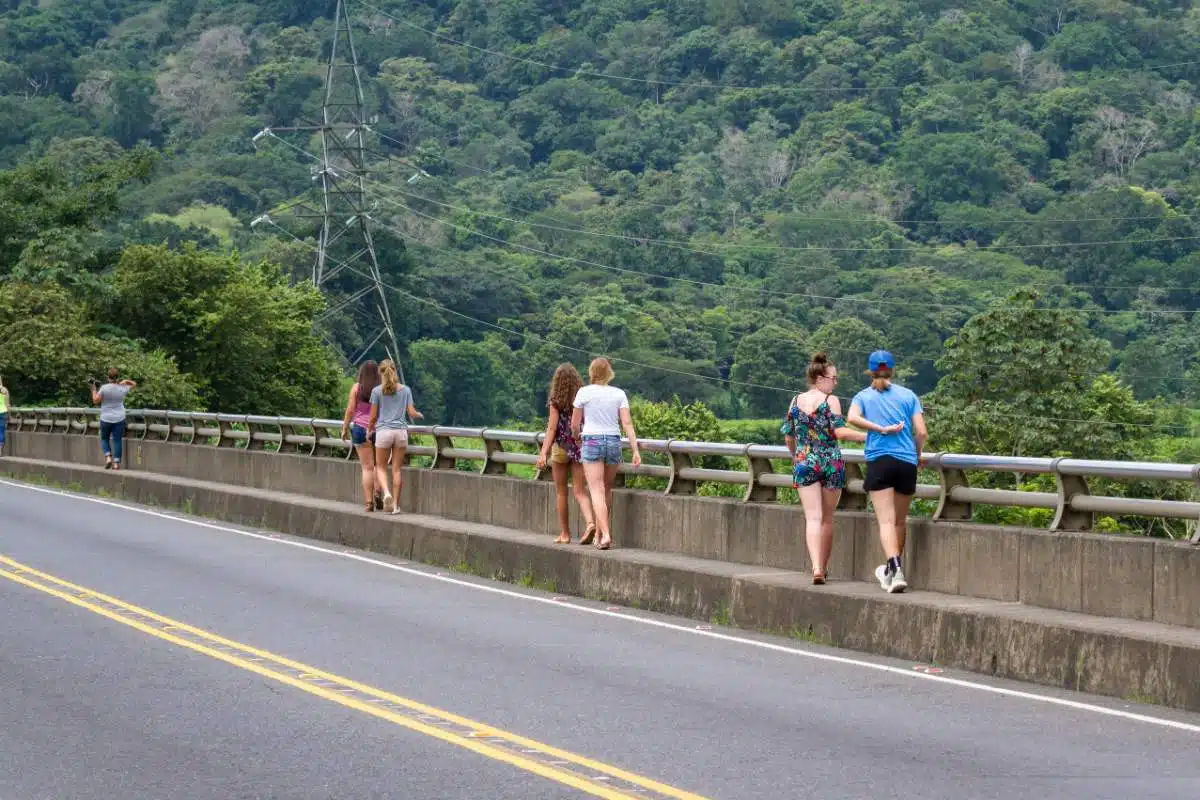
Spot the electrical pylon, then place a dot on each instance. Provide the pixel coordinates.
(342, 211)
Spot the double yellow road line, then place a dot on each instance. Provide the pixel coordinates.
(579, 772)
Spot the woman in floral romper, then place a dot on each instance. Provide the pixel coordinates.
(813, 427)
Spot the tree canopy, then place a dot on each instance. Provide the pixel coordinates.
(704, 191)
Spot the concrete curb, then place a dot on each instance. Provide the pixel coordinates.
(1140, 661)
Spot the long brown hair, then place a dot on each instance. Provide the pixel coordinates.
(368, 379)
(388, 378)
(564, 386)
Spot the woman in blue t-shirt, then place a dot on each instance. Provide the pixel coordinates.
(896, 433)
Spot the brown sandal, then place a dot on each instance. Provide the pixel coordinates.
(604, 545)
(589, 534)
(818, 579)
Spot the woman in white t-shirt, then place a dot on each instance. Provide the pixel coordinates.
(600, 413)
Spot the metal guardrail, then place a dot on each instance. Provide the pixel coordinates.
(1074, 505)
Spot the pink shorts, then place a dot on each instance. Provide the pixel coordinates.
(387, 438)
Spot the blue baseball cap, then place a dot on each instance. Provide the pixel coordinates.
(880, 358)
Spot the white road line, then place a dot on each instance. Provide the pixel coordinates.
(627, 617)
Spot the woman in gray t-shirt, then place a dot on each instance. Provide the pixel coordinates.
(111, 399)
(391, 408)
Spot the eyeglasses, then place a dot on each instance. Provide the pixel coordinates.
(833, 378)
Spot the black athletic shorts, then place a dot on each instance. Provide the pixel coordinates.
(889, 472)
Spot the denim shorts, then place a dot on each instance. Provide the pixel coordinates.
(602, 448)
(358, 435)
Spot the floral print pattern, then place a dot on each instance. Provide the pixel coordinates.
(818, 457)
(565, 439)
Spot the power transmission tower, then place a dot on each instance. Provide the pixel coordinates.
(342, 211)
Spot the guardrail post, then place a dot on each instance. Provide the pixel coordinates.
(756, 492)
(678, 461)
(80, 425)
(224, 426)
(286, 430)
(949, 479)
(251, 442)
(175, 432)
(853, 501)
(490, 465)
(1069, 486)
(1196, 479)
(325, 450)
(164, 436)
(440, 445)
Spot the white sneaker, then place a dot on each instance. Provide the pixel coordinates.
(898, 582)
(885, 580)
(388, 506)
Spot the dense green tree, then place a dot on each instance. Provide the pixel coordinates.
(1026, 379)
(704, 191)
(48, 353)
(244, 335)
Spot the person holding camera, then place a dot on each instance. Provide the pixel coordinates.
(111, 399)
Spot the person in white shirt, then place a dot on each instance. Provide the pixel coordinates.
(600, 413)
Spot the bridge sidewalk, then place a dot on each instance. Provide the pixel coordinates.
(1136, 660)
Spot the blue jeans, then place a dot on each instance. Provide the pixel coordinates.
(602, 448)
(116, 432)
(3, 428)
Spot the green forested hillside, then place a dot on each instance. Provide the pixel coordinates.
(707, 189)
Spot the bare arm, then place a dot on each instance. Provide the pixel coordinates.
(548, 442)
(856, 418)
(920, 433)
(413, 413)
(95, 395)
(789, 439)
(577, 423)
(349, 415)
(374, 418)
(631, 434)
(844, 434)
(129, 383)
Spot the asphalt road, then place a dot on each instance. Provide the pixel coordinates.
(96, 707)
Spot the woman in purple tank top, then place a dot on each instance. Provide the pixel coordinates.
(561, 448)
(354, 428)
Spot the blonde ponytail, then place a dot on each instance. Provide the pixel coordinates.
(388, 378)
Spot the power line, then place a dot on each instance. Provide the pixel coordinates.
(683, 245)
(840, 349)
(723, 381)
(580, 72)
(748, 289)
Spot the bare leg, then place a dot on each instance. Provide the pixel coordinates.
(829, 501)
(366, 458)
(561, 473)
(884, 501)
(594, 471)
(903, 501)
(810, 498)
(610, 478)
(381, 476)
(397, 476)
(579, 488)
